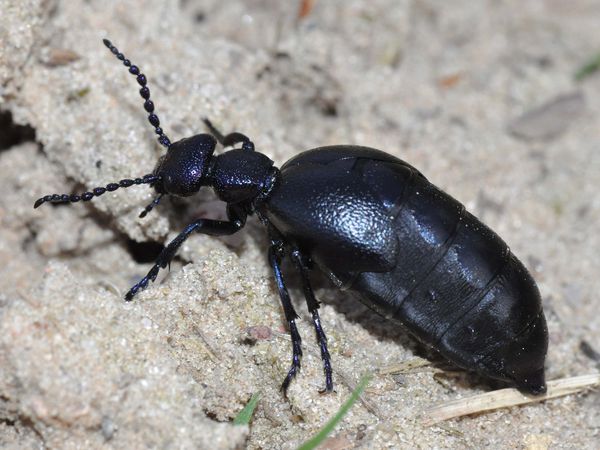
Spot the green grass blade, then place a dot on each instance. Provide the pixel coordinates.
(318, 438)
(244, 416)
(588, 68)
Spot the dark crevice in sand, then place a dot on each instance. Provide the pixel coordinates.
(144, 252)
(12, 134)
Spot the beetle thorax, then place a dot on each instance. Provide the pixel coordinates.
(240, 175)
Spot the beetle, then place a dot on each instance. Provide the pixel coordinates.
(376, 227)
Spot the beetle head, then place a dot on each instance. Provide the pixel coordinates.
(183, 170)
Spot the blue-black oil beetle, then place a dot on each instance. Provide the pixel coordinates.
(378, 228)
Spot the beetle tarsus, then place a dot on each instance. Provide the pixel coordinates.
(229, 139)
(151, 276)
(325, 357)
(296, 357)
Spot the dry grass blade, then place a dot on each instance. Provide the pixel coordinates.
(504, 398)
(404, 366)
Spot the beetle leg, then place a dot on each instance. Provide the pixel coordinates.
(290, 316)
(231, 138)
(313, 308)
(237, 219)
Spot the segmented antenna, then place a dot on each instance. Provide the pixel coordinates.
(96, 192)
(163, 139)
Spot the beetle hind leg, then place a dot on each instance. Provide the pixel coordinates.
(313, 308)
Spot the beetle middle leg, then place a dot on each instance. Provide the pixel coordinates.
(229, 139)
(275, 253)
(237, 219)
(313, 308)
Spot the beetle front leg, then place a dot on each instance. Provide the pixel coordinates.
(313, 308)
(290, 316)
(237, 219)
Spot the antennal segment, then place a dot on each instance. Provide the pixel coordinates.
(96, 192)
(163, 139)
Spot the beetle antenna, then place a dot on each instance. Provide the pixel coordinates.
(163, 139)
(150, 206)
(96, 192)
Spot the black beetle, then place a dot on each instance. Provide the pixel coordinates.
(377, 227)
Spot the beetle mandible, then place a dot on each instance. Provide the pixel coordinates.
(376, 227)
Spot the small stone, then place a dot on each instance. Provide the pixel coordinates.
(550, 119)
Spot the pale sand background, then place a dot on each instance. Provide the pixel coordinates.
(436, 83)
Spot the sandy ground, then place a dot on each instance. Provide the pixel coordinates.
(479, 95)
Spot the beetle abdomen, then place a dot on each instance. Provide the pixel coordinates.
(439, 271)
(457, 287)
